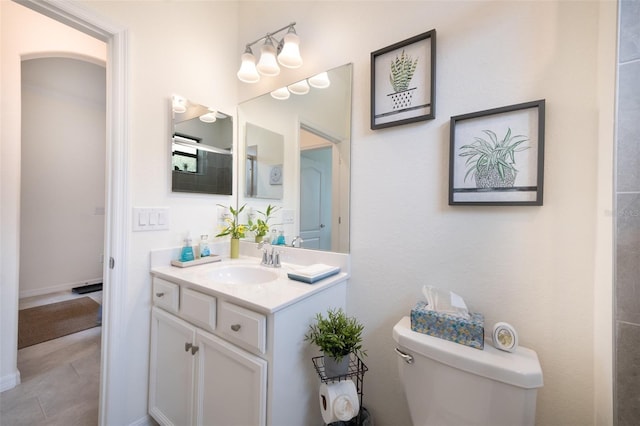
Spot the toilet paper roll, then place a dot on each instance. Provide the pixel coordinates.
(339, 401)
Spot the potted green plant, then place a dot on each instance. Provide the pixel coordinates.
(235, 229)
(261, 225)
(337, 336)
(492, 162)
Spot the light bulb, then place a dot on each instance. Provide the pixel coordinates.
(290, 54)
(268, 65)
(299, 88)
(320, 81)
(280, 94)
(248, 72)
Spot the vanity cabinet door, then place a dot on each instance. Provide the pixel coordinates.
(232, 384)
(172, 367)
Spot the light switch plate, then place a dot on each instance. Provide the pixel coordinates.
(150, 218)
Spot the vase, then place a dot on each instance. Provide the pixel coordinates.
(259, 238)
(235, 248)
(334, 368)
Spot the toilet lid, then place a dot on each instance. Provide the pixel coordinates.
(520, 368)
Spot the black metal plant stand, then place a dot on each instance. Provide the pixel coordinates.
(356, 371)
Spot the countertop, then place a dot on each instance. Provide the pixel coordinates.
(266, 298)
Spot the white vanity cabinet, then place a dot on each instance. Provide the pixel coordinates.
(197, 378)
(235, 357)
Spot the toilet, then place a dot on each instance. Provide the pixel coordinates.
(447, 383)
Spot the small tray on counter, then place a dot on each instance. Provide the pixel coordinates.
(199, 261)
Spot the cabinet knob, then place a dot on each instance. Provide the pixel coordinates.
(236, 327)
(187, 346)
(194, 349)
(159, 294)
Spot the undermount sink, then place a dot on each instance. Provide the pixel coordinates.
(243, 274)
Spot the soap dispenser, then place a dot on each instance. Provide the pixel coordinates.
(204, 246)
(187, 250)
(281, 241)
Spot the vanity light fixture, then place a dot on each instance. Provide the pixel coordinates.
(286, 52)
(248, 72)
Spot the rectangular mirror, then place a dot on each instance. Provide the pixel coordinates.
(313, 177)
(263, 166)
(201, 149)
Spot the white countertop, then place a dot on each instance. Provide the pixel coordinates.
(267, 297)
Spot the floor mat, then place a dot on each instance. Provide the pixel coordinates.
(47, 322)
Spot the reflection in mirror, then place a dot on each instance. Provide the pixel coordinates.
(201, 149)
(315, 169)
(263, 167)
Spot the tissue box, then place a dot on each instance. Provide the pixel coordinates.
(466, 332)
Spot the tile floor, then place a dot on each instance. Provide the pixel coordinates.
(60, 379)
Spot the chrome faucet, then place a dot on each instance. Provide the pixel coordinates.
(270, 259)
(297, 242)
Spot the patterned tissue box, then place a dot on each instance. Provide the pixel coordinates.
(466, 332)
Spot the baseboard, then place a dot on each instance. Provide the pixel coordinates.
(9, 381)
(56, 288)
(144, 421)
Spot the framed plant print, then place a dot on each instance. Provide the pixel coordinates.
(403, 78)
(496, 156)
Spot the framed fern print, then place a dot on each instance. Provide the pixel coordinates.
(403, 82)
(496, 156)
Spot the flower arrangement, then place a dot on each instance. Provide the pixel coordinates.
(261, 225)
(234, 227)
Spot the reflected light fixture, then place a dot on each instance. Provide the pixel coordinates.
(299, 88)
(209, 117)
(281, 94)
(320, 81)
(285, 51)
(178, 104)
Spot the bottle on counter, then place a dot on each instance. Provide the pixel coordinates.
(187, 250)
(204, 246)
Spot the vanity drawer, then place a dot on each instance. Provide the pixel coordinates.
(198, 308)
(166, 294)
(242, 326)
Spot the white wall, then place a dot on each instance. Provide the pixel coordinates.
(22, 36)
(62, 178)
(530, 266)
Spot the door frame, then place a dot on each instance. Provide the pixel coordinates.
(112, 380)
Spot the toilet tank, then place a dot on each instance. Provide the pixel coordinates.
(452, 384)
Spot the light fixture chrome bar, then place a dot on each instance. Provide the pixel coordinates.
(271, 34)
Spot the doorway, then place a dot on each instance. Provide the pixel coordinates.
(316, 189)
(113, 347)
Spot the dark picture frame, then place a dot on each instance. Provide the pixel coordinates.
(403, 82)
(496, 156)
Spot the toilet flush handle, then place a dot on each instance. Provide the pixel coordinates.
(407, 358)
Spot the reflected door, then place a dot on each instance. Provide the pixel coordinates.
(315, 198)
